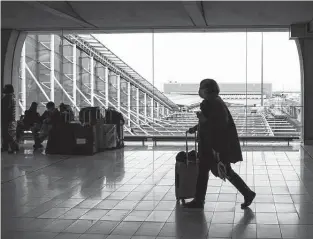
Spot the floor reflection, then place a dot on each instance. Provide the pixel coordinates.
(130, 193)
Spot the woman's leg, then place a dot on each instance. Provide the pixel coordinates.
(19, 130)
(35, 131)
(5, 136)
(242, 187)
(202, 183)
(13, 145)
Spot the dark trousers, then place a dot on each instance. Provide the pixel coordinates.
(40, 133)
(205, 165)
(8, 131)
(20, 128)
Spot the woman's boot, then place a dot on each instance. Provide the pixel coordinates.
(242, 187)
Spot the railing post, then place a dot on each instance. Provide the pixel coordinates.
(51, 68)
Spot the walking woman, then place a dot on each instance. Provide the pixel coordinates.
(8, 123)
(217, 132)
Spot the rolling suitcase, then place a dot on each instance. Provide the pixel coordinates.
(110, 136)
(186, 173)
(84, 139)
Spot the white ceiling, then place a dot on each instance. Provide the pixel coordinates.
(144, 15)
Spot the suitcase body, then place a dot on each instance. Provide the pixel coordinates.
(85, 139)
(120, 138)
(186, 175)
(113, 117)
(60, 140)
(110, 136)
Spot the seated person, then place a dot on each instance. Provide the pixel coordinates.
(50, 119)
(29, 120)
(67, 114)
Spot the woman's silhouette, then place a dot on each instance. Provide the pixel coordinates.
(217, 131)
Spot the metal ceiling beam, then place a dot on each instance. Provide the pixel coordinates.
(195, 12)
(58, 13)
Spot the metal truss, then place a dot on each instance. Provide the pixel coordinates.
(50, 83)
(99, 52)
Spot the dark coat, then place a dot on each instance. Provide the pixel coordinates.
(219, 131)
(31, 117)
(8, 104)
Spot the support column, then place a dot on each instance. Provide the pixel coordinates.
(304, 41)
(106, 78)
(23, 76)
(118, 83)
(158, 110)
(128, 102)
(163, 111)
(137, 104)
(74, 75)
(92, 82)
(152, 108)
(52, 68)
(145, 109)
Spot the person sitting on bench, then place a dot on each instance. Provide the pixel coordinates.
(29, 120)
(50, 118)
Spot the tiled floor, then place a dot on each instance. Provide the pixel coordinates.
(130, 194)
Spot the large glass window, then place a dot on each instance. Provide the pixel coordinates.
(153, 78)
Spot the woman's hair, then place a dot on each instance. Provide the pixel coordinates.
(62, 106)
(8, 89)
(210, 85)
(33, 105)
(50, 105)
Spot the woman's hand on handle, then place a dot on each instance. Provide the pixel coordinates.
(192, 130)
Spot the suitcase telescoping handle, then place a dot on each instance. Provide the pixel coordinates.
(196, 150)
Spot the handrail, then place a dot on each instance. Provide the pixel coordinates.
(169, 138)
